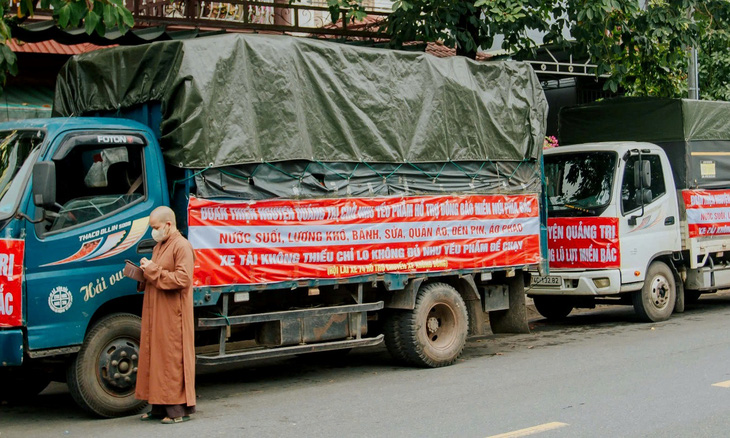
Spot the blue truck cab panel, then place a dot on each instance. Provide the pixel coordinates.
(109, 176)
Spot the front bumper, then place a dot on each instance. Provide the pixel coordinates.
(579, 283)
(11, 348)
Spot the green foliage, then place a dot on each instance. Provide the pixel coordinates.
(93, 15)
(642, 44)
(714, 50)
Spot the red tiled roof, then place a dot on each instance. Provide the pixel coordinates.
(438, 49)
(51, 47)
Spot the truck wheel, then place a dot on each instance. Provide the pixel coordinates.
(655, 301)
(434, 333)
(22, 384)
(102, 377)
(553, 308)
(391, 331)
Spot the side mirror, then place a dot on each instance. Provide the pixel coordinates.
(44, 184)
(642, 174)
(646, 196)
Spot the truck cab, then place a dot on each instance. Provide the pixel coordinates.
(613, 228)
(76, 196)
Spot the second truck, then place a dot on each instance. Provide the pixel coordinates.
(638, 198)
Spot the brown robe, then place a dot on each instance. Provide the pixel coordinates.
(166, 369)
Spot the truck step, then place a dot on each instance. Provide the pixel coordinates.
(268, 353)
(276, 316)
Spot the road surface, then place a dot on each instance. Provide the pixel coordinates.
(598, 374)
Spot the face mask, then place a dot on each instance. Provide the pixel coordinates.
(160, 235)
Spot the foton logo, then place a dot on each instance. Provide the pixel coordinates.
(116, 139)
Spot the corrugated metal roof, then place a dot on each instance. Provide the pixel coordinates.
(51, 47)
(47, 30)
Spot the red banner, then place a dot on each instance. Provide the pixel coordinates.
(279, 240)
(584, 242)
(708, 212)
(11, 277)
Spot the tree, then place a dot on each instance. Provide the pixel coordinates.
(714, 51)
(94, 15)
(642, 44)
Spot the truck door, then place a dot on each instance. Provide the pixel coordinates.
(657, 229)
(74, 257)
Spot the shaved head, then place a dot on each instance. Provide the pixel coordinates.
(162, 215)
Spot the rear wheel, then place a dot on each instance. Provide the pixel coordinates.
(434, 333)
(103, 375)
(655, 301)
(391, 331)
(553, 308)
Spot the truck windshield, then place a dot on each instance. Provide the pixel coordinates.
(15, 149)
(579, 184)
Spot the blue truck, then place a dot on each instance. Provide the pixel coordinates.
(249, 121)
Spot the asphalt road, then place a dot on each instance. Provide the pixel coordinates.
(598, 374)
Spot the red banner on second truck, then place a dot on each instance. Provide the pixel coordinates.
(708, 212)
(279, 240)
(11, 276)
(585, 242)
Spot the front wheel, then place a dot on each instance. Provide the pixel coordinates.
(103, 375)
(655, 301)
(434, 333)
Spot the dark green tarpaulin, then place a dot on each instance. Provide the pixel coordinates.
(694, 133)
(645, 119)
(237, 99)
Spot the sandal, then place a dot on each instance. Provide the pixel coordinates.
(149, 417)
(168, 420)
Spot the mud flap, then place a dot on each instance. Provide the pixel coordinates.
(679, 303)
(513, 320)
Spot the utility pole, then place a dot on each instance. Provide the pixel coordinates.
(693, 82)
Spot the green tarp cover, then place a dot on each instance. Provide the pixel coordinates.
(237, 99)
(695, 134)
(645, 119)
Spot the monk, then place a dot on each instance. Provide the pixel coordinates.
(166, 370)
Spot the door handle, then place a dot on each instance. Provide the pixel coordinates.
(146, 246)
(669, 220)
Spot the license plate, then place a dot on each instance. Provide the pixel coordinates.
(549, 281)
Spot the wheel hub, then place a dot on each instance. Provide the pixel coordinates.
(440, 326)
(660, 292)
(118, 365)
(432, 325)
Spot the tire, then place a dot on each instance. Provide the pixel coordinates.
(655, 301)
(391, 331)
(102, 377)
(691, 296)
(22, 384)
(553, 308)
(434, 333)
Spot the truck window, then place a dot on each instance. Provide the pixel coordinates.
(15, 149)
(629, 195)
(93, 181)
(579, 184)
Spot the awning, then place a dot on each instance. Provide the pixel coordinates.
(47, 30)
(25, 102)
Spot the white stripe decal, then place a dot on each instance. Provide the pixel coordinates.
(210, 237)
